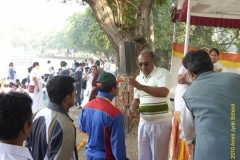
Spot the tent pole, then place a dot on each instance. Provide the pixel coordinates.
(187, 28)
(174, 32)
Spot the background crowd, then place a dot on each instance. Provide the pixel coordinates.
(207, 122)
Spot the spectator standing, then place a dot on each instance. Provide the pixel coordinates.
(90, 91)
(84, 82)
(53, 71)
(28, 77)
(53, 135)
(45, 95)
(73, 66)
(64, 71)
(16, 125)
(11, 73)
(99, 69)
(85, 62)
(106, 66)
(47, 68)
(151, 90)
(91, 63)
(101, 116)
(113, 67)
(36, 83)
(78, 84)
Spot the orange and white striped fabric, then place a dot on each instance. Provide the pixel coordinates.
(230, 63)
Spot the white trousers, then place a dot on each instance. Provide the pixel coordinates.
(153, 140)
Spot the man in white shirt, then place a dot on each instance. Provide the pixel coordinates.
(15, 125)
(151, 90)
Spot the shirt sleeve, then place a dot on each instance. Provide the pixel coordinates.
(219, 65)
(182, 70)
(81, 125)
(187, 125)
(164, 79)
(34, 73)
(135, 91)
(118, 138)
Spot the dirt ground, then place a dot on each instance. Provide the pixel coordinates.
(131, 137)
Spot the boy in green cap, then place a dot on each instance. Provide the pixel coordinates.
(103, 122)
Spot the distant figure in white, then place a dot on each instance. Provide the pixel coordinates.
(36, 81)
(113, 67)
(106, 66)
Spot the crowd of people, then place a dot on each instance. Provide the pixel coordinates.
(208, 104)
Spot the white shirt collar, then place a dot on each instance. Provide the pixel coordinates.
(15, 151)
(146, 78)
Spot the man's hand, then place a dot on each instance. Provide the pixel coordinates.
(132, 112)
(132, 82)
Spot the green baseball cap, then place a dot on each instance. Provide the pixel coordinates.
(107, 78)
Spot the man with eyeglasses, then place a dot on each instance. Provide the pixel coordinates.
(151, 90)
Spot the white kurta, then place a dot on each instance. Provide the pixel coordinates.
(180, 90)
(88, 90)
(36, 96)
(217, 65)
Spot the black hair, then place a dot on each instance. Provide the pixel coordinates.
(93, 67)
(197, 61)
(107, 88)
(30, 69)
(24, 80)
(216, 50)
(150, 53)
(80, 64)
(48, 61)
(11, 63)
(63, 64)
(35, 64)
(77, 64)
(59, 87)
(86, 69)
(15, 111)
(11, 84)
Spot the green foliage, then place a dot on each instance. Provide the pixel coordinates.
(85, 34)
(163, 29)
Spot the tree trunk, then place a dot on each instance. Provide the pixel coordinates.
(115, 34)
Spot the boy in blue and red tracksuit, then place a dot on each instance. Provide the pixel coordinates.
(103, 123)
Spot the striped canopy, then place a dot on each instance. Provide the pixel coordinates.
(211, 13)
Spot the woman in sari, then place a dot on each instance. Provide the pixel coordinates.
(91, 88)
(35, 88)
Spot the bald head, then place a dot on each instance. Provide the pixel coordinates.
(147, 53)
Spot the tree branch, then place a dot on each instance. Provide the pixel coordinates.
(135, 7)
(230, 43)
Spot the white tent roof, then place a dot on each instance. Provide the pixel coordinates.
(229, 9)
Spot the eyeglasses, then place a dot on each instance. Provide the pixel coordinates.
(144, 64)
